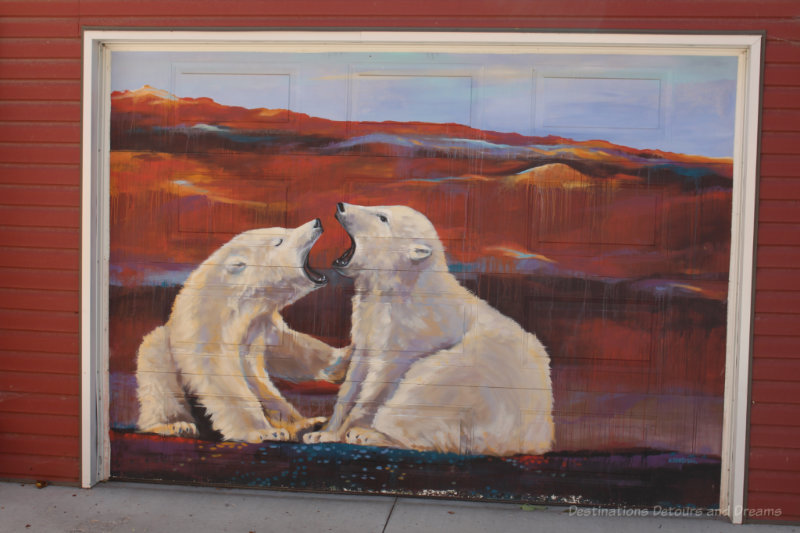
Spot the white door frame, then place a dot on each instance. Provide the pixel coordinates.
(97, 45)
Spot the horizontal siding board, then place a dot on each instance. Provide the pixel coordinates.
(783, 302)
(12, 443)
(28, 320)
(784, 505)
(29, 27)
(39, 383)
(40, 174)
(62, 280)
(780, 459)
(32, 362)
(57, 132)
(776, 370)
(497, 19)
(763, 480)
(782, 279)
(39, 300)
(781, 97)
(356, 21)
(777, 346)
(775, 391)
(38, 467)
(773, 436)
(778, 234)
(45, 111)
(27, 237)
(779, 211)
(780, 188)
(45, 404)
(780, 51)
(27, 341)
(40, 259)
(39, 48)
(781, 120)
(54, 217)
(768, 257)
(32, 90)
(782, 75)
(49, 8)
(40, 69)
(31, 153)
(777, 324)
(449, 9)
(780, 143)
(775, 165)
(776, 415)
(40, 424)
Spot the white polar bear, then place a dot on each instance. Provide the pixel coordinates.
(433, 366)
(225, 334)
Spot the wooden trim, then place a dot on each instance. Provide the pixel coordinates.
(94, 222)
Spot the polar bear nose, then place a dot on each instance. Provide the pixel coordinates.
(317, 223)
(340, 207)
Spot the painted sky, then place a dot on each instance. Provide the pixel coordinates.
(682, 104)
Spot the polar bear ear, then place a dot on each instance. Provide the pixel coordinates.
(419, 251)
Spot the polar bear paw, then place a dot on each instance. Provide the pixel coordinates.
(262, 435)
(317, 437)
(175, 429)
(296, 429)
(271, 434)
(366, 437)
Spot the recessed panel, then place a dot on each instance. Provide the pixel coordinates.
(577, 102)
(266, 94)
(419, 98)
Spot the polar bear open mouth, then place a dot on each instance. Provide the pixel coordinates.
(347, 256)
(318, 278)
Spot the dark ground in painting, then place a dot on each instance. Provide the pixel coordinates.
(633, 478)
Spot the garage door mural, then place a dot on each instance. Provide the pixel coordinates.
(487, 276)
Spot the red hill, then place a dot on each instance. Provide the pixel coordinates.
(188, 173)
(148, 107)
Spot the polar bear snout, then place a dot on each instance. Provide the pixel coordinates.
(307, 235)
(303, 237)
(308, 232)
(339, 214)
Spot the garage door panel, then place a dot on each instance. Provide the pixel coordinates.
(438, 93)
(570, 341)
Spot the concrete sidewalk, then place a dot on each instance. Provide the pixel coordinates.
(130, 507)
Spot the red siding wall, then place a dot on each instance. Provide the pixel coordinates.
(40, 71)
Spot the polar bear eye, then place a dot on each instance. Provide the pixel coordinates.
(382, 217)
(278, 242)
(234, 267)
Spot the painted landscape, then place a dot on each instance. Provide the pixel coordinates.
(615, 257)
